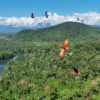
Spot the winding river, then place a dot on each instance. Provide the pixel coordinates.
(4, 62)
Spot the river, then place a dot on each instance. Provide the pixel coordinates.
(4, 62)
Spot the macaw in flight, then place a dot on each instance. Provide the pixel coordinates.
(32, 15)
(76, 71)
(78, 19)
(82, 20)
(63, 47)
(46, 14)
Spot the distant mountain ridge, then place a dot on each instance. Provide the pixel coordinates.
(12, 29)
(95, 25)
(71, 30)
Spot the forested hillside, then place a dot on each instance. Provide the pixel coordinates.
(40, 74)
(71, 30)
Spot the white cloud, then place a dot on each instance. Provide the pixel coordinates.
(90, 18)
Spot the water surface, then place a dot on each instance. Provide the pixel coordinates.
(4, 62)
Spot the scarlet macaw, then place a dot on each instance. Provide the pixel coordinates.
(76, 71)
(46, 14)
(82, 20)
(78, 19)
(63, 47)
(32, 15)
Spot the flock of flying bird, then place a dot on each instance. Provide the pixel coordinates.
(78, 19)
(46, 15)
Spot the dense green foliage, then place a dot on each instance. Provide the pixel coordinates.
(40, 74)
(42, 67)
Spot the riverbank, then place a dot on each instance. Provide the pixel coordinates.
(5, 61)
(6, 55)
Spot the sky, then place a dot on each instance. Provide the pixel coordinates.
(16, 12)
(20, 8)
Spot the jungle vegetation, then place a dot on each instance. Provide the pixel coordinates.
(40, 74)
